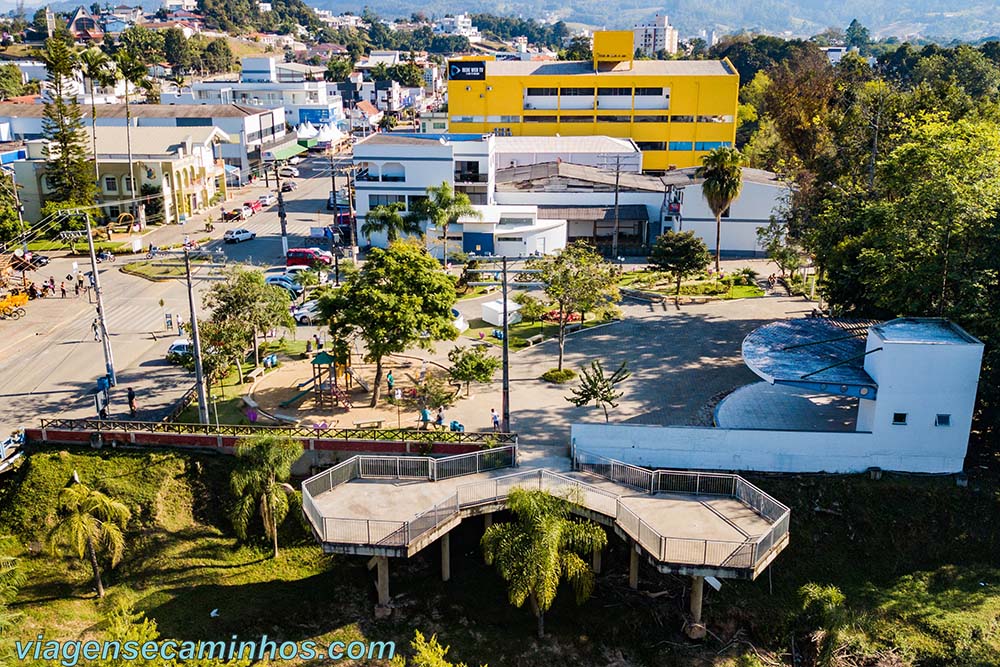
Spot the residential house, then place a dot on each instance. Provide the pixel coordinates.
(459, 26)
(365, 117)
(180, 5)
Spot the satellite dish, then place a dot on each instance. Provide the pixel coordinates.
(19, 252)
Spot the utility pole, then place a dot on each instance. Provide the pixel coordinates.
(198, 373)
(282, 216)
(618, 173)
(505, 400)
(109, 359)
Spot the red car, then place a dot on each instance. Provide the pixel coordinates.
(306, 257)
(254, 205)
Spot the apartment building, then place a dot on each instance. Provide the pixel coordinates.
(656, 35)
(675, 110)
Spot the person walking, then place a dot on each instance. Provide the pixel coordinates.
(96, 329)
(62, 289)
(390, 382)
(439, 420)
(496, 420)
(132, 410)
(79, 282)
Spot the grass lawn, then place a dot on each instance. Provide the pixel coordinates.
(79, 247)
(161, 268)
(477, 292)
(915, 557)
(520, 332)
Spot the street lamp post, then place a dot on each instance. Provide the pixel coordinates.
(196, 340)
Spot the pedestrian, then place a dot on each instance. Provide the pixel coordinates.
(79, 282)
(496, 420)
(423, 370)
(132, 411)
(96, 329)
(390, 381)
(439, 420)
(62, 289)
(52, 284)
(180, 324)
(316, 338)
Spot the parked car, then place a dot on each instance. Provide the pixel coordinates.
(247, 212)
(295, 159)
(254, 205)
(180, 350)
(307, 313)
(306, 257)
(320, 251)
(288, 186)
(238, 235)
(288, 172)
(286, 282)
(294, 271)
(267, 199)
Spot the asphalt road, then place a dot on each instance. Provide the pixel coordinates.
(49, 360)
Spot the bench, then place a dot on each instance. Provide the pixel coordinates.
(576, 326)
(371, 423)
(287, 419)
(254, 375)
(534, 340)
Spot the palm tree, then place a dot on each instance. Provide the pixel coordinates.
(540, 548)
(722, 170)
(387, 218)
(12, 577)
(90, 521)
(133, 71)
(260, 483)
(100, 71)
(443, 208)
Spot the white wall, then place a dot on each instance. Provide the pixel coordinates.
(778, 451)
(738, 237)
(756, 202)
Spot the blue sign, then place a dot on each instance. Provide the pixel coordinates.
(314, 116)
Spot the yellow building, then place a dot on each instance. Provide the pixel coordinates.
(675, 110)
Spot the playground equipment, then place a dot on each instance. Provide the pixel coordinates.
(331, 380)
(12, 306)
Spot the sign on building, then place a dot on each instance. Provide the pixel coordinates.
(467, 70)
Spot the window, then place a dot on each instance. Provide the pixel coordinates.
(127, 184)
(462, 119)
(110, 184)
(576, 119)
(710, 145)
(682, 119)
(543, 92)
(715, 119)
(393, 172)
(648, 92)
(440, 126)
(510, 119)
(614, 119)
(618, 92)
(942, 420)
(539, 119)
(651, 145)
(114, 212)
(467, 171)
(899, 418)
(513, 239)
(413, 201)
(679, 146)
(651, 119)
(385, 200)
(577, 92)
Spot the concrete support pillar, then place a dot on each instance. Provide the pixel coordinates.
(633, 567)
(695, 628)
(487, 520)
(446, 557)
(597, 561)
(382, 563)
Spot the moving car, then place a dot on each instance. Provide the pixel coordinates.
(307, 313)
(235, 215)
(288, 172)
(306, 257)
(254, 205)
(286, 282)
(238, 235)
(288, 186)
(180, 350)
(267, 199)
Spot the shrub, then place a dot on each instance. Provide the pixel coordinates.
(556, 376)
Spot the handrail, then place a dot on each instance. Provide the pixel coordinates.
(346, 434)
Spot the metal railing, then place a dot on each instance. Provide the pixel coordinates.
(346, 434)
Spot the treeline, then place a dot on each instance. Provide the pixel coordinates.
(243, 15)
(507, 28)
(896, 167)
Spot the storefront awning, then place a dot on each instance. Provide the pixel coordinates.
(283, 152)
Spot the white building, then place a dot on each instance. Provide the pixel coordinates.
(840, 396)
(180, 5)
(459, 26)
(266, 82)
(655, 35)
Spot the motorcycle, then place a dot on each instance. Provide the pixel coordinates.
(105, 256)
(153, 250)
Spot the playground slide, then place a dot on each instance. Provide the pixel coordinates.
(358, 379)
(299, 396)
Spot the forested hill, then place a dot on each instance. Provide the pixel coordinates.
(941, 19)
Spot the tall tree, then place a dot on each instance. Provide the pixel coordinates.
(540, 548)
(400, 298)
(598, 388)
(472, 364)
(11, 84)
(388, 219)
(99, 70)
(135, 75)
(90, 522)
(722, 171)
(67, 168)
(143, 44)
(681, 254)
(577, 279)
(260, 482)
(442, 208)
(857, 36)
(338, 69)
(243, 299)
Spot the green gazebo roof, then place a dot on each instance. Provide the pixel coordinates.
(323, 359)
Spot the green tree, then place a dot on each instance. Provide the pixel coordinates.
(260, 483)
(408, 74)
(426, 653)
(12, 577)
(578, 49)
(472, 364)
(532, 309)
(540, 548)
(99, 70)
(857, 36)
(599, 388)
(577, 280)
(722, 171)
(11, 84)
(380, 72)
(823, 613)
(399, 299)
(143, 44)
(338, 69)
(134, 73)
(442, 208)
(177, 48)
(388, 219)
(89, 522)
(681, 254)
(779, 247)
(387, 122)
(218, 56)
(67, 168)
(243, 298)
